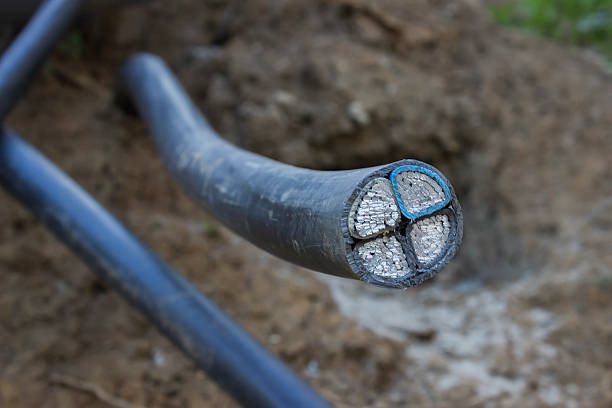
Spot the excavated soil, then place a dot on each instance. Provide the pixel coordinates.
(521, 127)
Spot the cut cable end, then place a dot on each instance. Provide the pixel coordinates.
(407, 225)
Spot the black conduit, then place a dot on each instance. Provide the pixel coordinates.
(248, 372)
(21, 60)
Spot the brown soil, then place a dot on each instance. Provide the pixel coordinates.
(521, 126)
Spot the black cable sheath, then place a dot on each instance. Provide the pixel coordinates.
(297, 214)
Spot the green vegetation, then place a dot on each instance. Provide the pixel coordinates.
(605, 282)
(576, 22)
(71, 46)
(210, 228)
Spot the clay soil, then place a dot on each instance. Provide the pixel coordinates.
(521, 126)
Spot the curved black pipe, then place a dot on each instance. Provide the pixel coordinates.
(225, 351)
(297, 214)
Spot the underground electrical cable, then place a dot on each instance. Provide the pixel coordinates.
(394, 225)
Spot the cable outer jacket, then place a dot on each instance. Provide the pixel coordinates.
(297, 214)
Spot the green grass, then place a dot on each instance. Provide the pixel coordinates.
(575, 22)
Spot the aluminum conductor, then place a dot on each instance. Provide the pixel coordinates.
(419, 190)
(375, 211)
(384, 256)
(429, 236)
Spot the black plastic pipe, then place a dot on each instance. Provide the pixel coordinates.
(298, 214)
(21, 60)
(248, 372)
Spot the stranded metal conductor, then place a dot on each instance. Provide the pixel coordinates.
(394, 225)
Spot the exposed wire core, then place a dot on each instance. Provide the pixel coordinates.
(404, 229)
(384, 256)
(419, 191)
(429, 236)
(375, 211)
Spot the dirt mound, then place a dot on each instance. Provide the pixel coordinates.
(520, 127)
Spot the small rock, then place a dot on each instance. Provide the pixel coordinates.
(274, 338)
(284, 98)
(357, 113)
